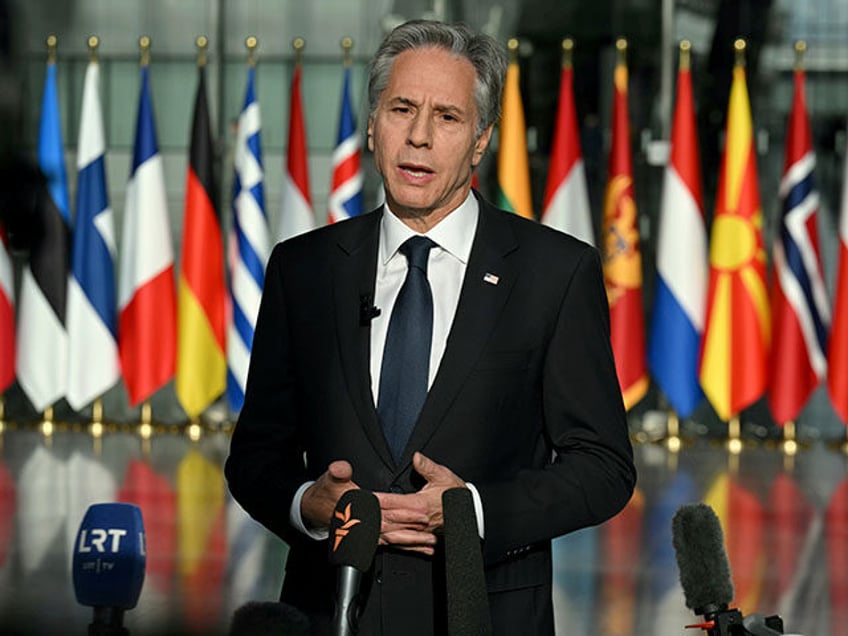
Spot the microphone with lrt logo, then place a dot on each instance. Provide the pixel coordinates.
(108, 565)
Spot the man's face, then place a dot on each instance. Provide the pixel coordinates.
(423, 133)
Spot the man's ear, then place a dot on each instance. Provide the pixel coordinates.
(371, 134)
(481, 144)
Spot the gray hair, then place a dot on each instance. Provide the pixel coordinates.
(483, 51)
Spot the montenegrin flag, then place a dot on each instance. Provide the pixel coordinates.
(734, 352)
(622, 257)
(513, 162)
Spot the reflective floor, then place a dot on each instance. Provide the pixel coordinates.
(785, 525)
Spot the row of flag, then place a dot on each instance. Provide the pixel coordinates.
(721, 327)
(78, 333)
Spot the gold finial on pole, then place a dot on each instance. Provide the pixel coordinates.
(512, 46)
(202, 44)
(567, 52)
(52, 44)
(251, 43)
(48, 426)
(739, 51)
(685, 55)
(800, 50)
(93, 42)
(621, 51)
(347, 48)
(298, 44)
(734, 435)
(144, 48)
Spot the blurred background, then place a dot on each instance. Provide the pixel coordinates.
(784, 506)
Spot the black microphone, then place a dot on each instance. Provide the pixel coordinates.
(108, 564)
(268, 618)
(465, 580)
(367, 310)
(354, 531)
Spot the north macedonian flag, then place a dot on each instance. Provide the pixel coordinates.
(734, 351)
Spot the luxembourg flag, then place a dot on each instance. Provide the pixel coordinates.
(296, 215)
(147, 323)
(92, 319)
(681, 285)
(346, 190)
(801, 312)
(7, 315)
(566, 206)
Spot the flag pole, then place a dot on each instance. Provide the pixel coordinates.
(202, 43)
(93, 42)
(96, 427)
(144, 50)
(145, 427)
(2, 418)
(621, 52)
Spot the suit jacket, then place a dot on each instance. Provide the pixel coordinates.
(525, 405)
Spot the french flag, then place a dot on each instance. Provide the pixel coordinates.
(147, 320)
(682, 267)
(801, 313)
(346, 191)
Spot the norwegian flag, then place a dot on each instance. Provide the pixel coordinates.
(800, 314)
(346, 191)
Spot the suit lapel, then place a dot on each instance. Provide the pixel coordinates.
(355, 271)
(489, 278)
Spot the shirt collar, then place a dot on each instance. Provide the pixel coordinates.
(454, 233)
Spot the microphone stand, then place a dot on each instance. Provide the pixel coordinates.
(108, 621)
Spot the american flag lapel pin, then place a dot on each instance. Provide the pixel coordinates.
(490, 278)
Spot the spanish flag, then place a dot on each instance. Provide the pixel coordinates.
(622, 258)
(734, 351)
(201, 363)
(513, 163)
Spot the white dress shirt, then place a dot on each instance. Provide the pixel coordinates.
(453, 236)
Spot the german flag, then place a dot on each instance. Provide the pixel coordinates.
(201, 361)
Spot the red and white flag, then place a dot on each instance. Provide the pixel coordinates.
(296, 215)
(837, 379)
(566, 205)
(7, 315)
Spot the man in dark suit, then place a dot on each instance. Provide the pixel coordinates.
(516, 398)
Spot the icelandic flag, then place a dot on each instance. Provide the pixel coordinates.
(92, 321)
(346, 190)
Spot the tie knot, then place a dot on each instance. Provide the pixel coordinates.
(417, 251)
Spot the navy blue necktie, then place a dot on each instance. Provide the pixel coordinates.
(404, 373)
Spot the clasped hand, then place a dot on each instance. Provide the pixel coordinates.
(409, 521)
